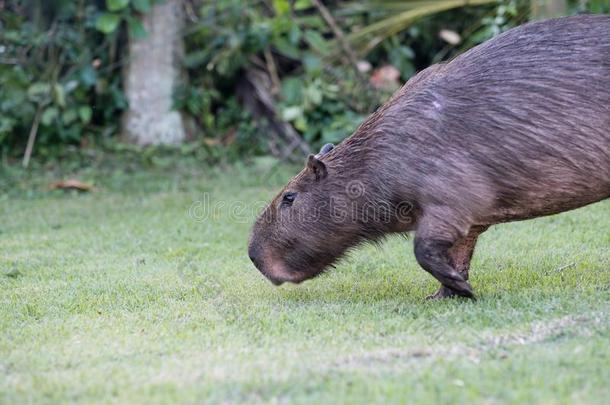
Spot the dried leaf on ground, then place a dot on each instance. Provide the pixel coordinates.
(71, 184)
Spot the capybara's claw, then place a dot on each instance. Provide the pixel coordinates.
(461, 288)
(465, 290)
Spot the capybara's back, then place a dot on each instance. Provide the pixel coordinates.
(520, 124)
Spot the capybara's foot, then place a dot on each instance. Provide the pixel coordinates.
(442, 292)
(445, 292)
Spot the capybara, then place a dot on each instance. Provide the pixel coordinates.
(516, 128)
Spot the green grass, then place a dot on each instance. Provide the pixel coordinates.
(122, 296)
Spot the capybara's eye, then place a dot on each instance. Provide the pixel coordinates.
(288, 198)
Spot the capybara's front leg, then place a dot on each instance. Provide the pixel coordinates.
(461, 255)
(438, 232)
(433, 255)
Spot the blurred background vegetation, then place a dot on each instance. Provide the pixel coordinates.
(224, 79)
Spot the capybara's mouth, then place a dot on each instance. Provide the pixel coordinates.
(275, 281)
(279, 272)
(279, 281)
(294, 278)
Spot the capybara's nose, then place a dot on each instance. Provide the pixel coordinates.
(253, 253)
(254, 261)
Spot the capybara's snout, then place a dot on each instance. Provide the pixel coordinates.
(255, 253)
(255, 256)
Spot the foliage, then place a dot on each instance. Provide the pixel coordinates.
(59, 70)
(319, 90)
(60, 63)
(229, 40)
(400, 16)
(124, 10)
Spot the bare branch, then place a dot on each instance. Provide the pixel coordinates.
(32, 137)
(347, 49)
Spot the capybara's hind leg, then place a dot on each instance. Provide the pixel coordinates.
(461, 254)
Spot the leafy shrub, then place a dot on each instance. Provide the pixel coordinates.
(55, 74)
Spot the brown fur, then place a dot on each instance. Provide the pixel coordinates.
(515, 128)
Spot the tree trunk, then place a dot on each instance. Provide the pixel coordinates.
(150, 77)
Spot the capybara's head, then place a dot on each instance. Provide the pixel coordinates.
(305, 227)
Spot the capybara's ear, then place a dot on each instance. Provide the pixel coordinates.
(317, 167)
(325, 149)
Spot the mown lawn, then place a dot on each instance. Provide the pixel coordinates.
(127, 295)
